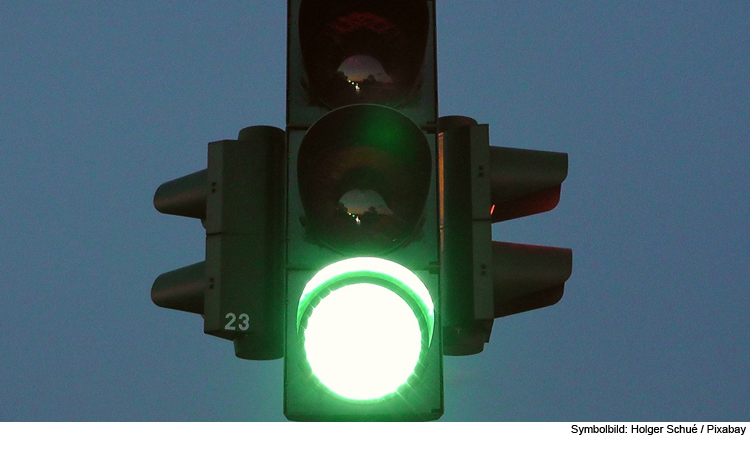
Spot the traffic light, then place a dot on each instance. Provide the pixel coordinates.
(483, 280)
(357, 244)
(363, 316)
(239, 198)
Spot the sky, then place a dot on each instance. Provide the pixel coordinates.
(102, 101)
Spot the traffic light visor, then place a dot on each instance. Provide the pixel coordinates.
(364, 324)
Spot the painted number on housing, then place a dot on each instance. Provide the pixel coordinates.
(243, 322)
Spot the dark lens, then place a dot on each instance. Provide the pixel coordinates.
(364, 174)
(363, 51)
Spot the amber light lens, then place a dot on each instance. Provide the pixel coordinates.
(364, 176)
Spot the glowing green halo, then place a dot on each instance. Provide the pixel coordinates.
(362, 339)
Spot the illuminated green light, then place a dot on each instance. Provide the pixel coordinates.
(367, 322)
(362, 341)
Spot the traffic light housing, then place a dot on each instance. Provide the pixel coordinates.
(357, 243)
(483, 280)
(239, 198)
(363, 334)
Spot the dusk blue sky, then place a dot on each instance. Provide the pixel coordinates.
(102, 101)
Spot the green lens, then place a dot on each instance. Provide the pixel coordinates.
(363, 339)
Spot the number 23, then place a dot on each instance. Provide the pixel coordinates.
(243, 325)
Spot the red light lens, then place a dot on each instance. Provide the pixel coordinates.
(365, 51)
